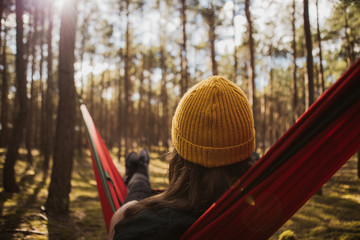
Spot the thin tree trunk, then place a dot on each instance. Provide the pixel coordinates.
(29, 124)
(316, 83)
(252, 95)
(60, 186)
(158, 124)
(347, 44)
(120, 113)
(309, 60)
(164, 96)
(4, 80)
(309, 57)
(149, 118)
(2, 6)
(42, 103)
(142, 118)
(350, 59)
(353, 53)
(4, 97)
(184, 82)
(127, 85)
(278, 116)
(82, 52)
(212, 37)
(245, 78)
(235, 48)
(9, 182)
(263, 114)
(49, 123)
(92, 87)
(131, 125)
(101, 110)
(294, 67)
(271, 103)
(105, 119)
(321, 72)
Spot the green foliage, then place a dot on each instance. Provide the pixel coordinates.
(344, 28)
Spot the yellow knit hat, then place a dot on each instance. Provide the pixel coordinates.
(213, 124)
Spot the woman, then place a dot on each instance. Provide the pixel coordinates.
(214, 138)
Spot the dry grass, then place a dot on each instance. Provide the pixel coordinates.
(335, 215)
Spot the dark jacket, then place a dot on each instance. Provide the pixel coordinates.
(163, 224)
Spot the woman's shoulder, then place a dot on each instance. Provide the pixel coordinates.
(164, 223)
(118, 216)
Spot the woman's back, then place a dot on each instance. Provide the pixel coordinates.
(214, 138)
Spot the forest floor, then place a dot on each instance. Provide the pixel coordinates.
(334, 215)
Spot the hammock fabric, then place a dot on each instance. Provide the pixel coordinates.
(261, 201)
(295, 168)
(111, 187)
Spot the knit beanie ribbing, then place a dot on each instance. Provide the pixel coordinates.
(213, 124)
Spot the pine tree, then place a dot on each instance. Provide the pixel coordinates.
(12, 154)
(59, 189)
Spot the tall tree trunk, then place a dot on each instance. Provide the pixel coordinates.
(294, 67)
(12, 154)
(60, 186)
(347, 44)
(4, 96)
(271, 101)
(101, 110)
(92, 87)
(263, 114)
(212, 37)
(149, 118)
(127, 85)
(252, 95)
(350, 59)
(278, 115)
(316, 83)
(82, 52)
(4, 82)
(309, 57)
(235, 48)
(106, 123)
(42, 90)
(2, 6)
(164, 96)
(49, 122)
(29, 123)
(157, 124)
(309, 60)
(184, 82)
(142, 117)
(321, 70)
(120, 125)
(245, 78)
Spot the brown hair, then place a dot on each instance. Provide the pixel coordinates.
(192, 188)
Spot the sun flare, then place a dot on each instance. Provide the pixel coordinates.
(58, 4)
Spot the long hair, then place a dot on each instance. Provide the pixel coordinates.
(192, 188)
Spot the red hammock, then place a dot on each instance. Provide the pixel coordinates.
(111, 187)
(299, 163)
